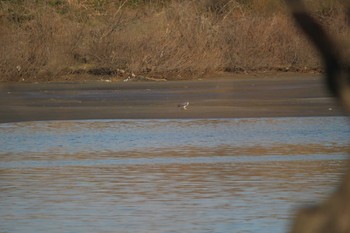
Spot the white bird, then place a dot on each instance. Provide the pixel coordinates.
(184, 105)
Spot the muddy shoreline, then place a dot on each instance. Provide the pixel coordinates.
(218, 97)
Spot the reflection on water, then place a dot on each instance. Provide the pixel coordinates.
(229, 175)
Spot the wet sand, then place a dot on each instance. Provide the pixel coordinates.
(219, 97)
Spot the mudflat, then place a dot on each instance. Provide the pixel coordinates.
(217, 97)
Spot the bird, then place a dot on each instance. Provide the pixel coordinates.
(184, 105)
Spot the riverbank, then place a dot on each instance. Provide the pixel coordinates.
(218, 97)
(47, 40)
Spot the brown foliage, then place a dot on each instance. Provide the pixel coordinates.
(48, 40)
(333, 214)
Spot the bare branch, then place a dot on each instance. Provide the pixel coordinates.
(322, 42)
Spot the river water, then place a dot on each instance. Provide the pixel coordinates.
(193, 175)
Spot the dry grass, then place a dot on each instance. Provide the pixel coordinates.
(63, 39)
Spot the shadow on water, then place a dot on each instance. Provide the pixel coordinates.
(216, 175)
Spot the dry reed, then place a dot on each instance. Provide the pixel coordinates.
(63, 39)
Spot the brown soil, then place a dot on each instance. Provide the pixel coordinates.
(222, 96)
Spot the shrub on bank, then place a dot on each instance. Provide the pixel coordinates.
(55, 39)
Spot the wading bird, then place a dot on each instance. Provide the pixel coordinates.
(184, 105)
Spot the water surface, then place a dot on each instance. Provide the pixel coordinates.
(199, 175)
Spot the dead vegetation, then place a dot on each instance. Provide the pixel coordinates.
(69, 39)
(334, 213)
